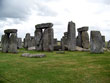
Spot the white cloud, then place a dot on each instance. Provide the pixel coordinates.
(92, 13)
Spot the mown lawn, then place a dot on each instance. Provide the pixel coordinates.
(71, 67)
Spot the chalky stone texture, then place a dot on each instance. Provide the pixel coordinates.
(5, 43)
(9, 41)
(27, 41)
(13, 43)
(83, 37)
(38, 39)
(44, 37)
(19, 43)
(44, 25)
(32, 41)
(71, 36)
(48, 39)
(33, 55)
(96, 43)
(85, 40)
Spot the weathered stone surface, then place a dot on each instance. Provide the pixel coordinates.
(96, 43)
(33, 55)
(82, 49)
(27, 41)
(32, 48)
(103, 39)
(25, 55)
(62, 44)
(7, 31)
(85, 28)
(32, 41)
(19, 43)
(13, 43)
(85, 40)
(108, 44)
(71, 36)
(44, 25)
(48, 39)
(5, 43)
(38, 39)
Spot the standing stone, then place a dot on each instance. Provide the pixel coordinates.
(32, 41)
(13, 43)
(96, 43)
(19, 43)
(27, 41)
(38, 39)
(9, 41)
(71, 36)
(48, 39)
(44, 37)
(108, 44)
(103, 39)
(62, 44)
(83, 37)
(5, 43)
(79, 39)
(85, 40)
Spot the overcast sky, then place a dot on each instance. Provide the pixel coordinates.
(25, 14)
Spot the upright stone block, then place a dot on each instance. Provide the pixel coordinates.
(9, 41)
(103, 39)
(96, 43)
(38, 39)
(13, 43)
(5, 43)
(85, 40)
(27, 41)
(48, 39)
(71, 36)
(19, 43)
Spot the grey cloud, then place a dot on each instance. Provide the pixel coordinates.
(20, 9)
(44, 10)
(14, 9)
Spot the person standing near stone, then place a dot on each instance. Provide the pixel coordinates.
(96, 43)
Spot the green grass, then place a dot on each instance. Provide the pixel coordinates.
(71, 67)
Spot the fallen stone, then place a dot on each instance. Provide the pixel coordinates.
(25, 54)
(33, 55)
(32, 48)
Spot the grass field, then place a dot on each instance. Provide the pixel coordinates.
(71, 67)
